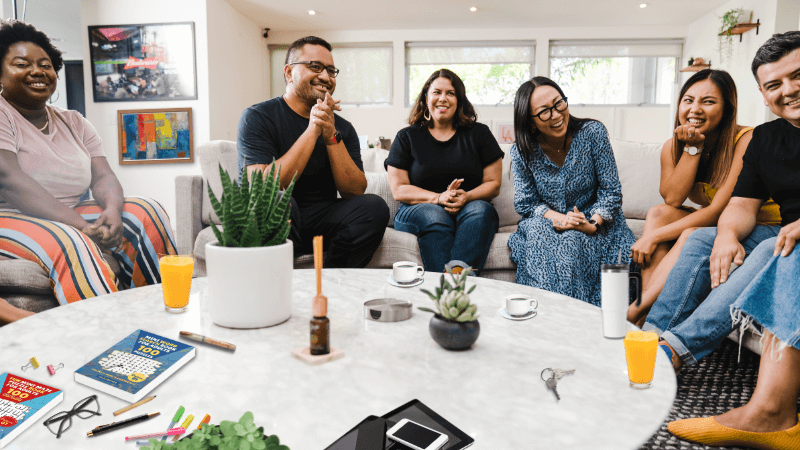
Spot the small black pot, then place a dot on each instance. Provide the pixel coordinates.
(454, 335)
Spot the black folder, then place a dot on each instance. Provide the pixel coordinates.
(366, 435)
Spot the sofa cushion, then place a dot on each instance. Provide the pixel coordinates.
(211, 155)
(639, 167)
(378, 184)
(20, 276)
(373, 159)
(504, 203)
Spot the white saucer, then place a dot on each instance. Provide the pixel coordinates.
(396, 283)
(508, 316)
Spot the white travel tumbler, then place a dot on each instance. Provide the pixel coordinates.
(614, 279)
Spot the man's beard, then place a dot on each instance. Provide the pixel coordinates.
(307, 93)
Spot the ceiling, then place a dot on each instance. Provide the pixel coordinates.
(431, 14)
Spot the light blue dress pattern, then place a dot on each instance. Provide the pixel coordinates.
(569, 262)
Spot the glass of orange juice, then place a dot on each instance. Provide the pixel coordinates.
(640, 352)
(176, 280)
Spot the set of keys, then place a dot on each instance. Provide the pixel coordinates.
(555, 375)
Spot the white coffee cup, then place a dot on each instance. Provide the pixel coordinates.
(406, 271)
(520, 304)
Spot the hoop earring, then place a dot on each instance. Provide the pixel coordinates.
(58, 95)
(1, 88)
(426, 115)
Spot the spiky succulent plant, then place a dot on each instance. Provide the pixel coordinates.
(452, 300)
(253, 214)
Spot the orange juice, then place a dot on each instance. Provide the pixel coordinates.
(176, 278)
(640, 351)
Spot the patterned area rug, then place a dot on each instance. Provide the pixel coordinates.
(713, 386)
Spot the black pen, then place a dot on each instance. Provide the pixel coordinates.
(115, 425)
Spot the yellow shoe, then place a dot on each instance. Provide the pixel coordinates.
(709, 432)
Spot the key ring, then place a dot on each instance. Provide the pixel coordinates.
(545, 370)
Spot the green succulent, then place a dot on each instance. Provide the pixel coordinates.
(241, 435)
(253, 214)
(452, 300)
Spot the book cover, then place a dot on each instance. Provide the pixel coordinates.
(135, 366)
(23, 402)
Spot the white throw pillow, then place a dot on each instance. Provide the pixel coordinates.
(639, 167)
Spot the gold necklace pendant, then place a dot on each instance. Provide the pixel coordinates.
(46, 123)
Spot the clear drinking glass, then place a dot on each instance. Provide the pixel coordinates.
(176, 279)
(640, 352)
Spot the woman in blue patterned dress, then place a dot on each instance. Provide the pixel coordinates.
(568, 193)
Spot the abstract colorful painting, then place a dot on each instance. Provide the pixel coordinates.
(155, 136)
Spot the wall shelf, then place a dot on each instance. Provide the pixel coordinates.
(742, 28)
(696, 67)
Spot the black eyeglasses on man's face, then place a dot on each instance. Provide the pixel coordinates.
(84, 409)
(547, 113)
(318, 67)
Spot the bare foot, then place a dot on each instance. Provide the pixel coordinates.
(749, 418)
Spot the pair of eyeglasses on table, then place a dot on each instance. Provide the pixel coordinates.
(84, 409)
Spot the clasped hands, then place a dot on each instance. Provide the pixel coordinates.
(106, 231)
(453, 199)
(322, 117)
(727, 250)
(574, 220)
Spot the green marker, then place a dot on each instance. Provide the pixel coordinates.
(175, 420)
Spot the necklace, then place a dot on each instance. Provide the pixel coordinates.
(46, 123)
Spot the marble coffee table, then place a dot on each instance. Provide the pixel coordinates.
(493, 391)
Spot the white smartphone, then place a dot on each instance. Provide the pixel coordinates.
(416, 436)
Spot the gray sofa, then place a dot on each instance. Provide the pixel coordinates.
(194, 211)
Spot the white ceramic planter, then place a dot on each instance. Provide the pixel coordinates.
(250, 287)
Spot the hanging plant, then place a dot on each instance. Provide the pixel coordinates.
(725, 38)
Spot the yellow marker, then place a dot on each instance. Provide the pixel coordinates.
(185, 426)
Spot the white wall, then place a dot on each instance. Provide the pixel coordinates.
(230, 56)
(149, 180)
(701, 41)
(641, 124)
(238, 76)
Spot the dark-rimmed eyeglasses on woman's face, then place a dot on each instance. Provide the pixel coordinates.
(318, 67)
(84, 409)
(547, 113)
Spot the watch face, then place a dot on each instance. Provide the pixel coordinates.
(691, 150)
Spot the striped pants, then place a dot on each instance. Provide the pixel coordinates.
(75, 264)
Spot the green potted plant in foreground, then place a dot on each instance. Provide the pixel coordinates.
(250, 265)
(454, 324)
(241, 435)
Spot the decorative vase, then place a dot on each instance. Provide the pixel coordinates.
(250, 287)
(454, 335)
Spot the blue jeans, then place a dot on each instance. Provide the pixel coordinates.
(442, 237)
(773, 300)
(693, 318)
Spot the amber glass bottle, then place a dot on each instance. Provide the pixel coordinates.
(320, 327)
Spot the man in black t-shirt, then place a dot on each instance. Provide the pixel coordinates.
(300, 131)
(772, 298)
(693, 310)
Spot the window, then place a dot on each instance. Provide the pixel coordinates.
(492, 73)
(616, 72)
(365, 76)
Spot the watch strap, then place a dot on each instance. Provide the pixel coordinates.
(337, 137)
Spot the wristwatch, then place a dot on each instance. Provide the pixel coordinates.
(693, 150)
(337, 137)
(594, 222)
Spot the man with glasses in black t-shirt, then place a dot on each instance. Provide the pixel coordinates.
(693, 310)
(300, 131)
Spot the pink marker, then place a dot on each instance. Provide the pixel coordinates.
(170, 432)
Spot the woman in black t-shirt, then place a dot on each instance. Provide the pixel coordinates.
(444, 169)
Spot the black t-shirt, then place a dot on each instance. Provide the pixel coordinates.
(269, 129)
(771, 168)
(433, 164)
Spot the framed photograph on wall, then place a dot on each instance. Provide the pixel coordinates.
(147, 62)
(155, 136)
(505, 132)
